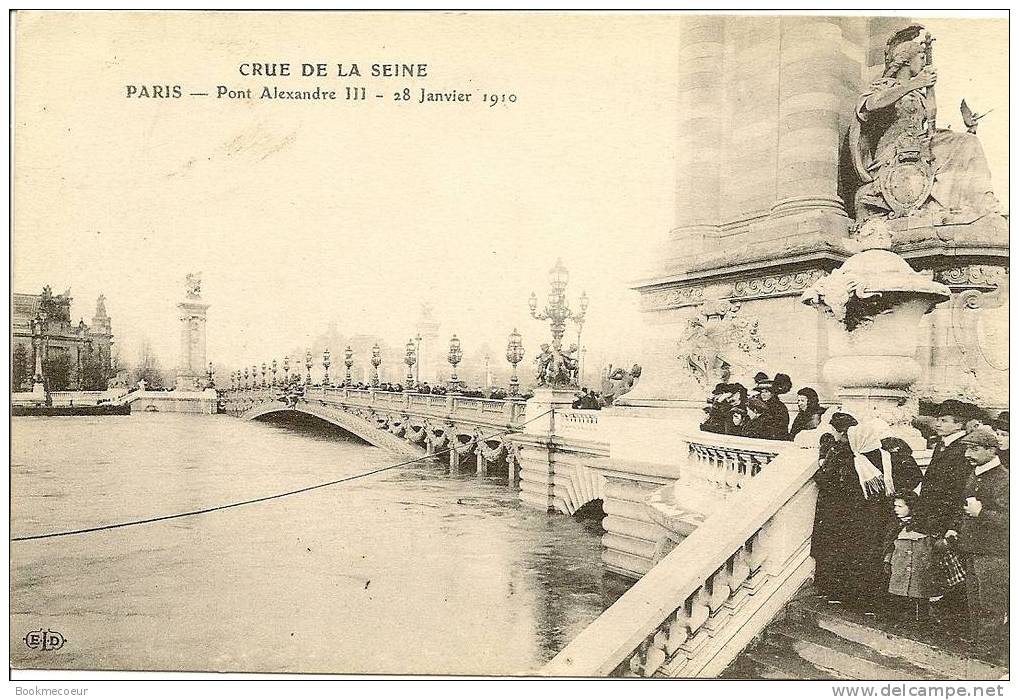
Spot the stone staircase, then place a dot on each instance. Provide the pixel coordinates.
(814, 640)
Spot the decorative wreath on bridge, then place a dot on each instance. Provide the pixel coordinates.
(437, 434)
(414, 433)
(397, 425)
(462, 443)
(492, 449)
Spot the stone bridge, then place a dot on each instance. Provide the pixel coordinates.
(470, 433)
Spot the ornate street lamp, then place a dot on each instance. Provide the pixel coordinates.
(265, 368)
(454, 356)
(376, 361)
(212, 383)
(325, 363)
(275, 368)
(348, 362)
(417, 354)
(410, 359)
(557, 312)
(254, 376)
(286, 370)
(246, 386)
(514, 355)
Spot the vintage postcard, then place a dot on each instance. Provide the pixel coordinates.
(575, 344)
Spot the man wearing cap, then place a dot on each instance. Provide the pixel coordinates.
(983, 539)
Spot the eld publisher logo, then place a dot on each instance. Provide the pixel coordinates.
(44, 640)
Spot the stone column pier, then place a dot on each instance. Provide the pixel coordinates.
(817, 86)
(701, 95)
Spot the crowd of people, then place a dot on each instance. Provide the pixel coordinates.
(760, 412)
(588, 399)
(442, 390)
(929, 547)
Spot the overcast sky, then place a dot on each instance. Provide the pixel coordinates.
(302, 215)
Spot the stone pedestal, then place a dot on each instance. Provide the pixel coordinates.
(537, 467)
(191, 372)
(873, 307)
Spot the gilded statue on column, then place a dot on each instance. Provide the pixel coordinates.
(905, 162)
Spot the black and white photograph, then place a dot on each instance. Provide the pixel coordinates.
(510, 344)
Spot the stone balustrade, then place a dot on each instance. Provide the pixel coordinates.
(693, 612)
(450, 407)
(727, 462)
(578, 423)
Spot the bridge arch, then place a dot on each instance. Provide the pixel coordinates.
(353, 424)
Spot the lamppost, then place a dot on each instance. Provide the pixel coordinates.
(254, 376)
(410, 358)
(246, 385)
(275, 368)
(376, 361)
(233, 381)
(557, 312)
(514, 355)
(286, 370)
(307, 364)
(37, 343)
(584, 302)
(265, 368)
(348, 362)
(325, 363)
(454, 356)
(212, 383)
(417, 367)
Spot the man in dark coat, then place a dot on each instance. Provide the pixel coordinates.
(939, 507)
(941, 490)
(983, 539)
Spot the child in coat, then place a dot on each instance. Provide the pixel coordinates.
(908, 560)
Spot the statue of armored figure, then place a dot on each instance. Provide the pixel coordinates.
(907, 164)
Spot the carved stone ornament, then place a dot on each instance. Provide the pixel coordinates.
(872, 282)
(716, 341)
(983, 276)
(671, 298)
(775, 285)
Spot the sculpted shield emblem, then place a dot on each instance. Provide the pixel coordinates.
(906, 186)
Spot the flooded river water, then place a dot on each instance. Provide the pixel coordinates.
(408, 571)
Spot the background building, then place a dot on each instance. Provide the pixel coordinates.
(69, 355)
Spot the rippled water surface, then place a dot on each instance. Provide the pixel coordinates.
(409, 571)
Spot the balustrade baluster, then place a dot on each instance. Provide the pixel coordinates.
(720, 592)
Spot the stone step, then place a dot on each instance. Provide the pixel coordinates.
(944, 663)
(812, 640)
(776, 660)
(844, 658)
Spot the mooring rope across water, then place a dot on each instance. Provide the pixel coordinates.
(261, 499)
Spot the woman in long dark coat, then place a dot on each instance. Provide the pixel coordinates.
(848, 540)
